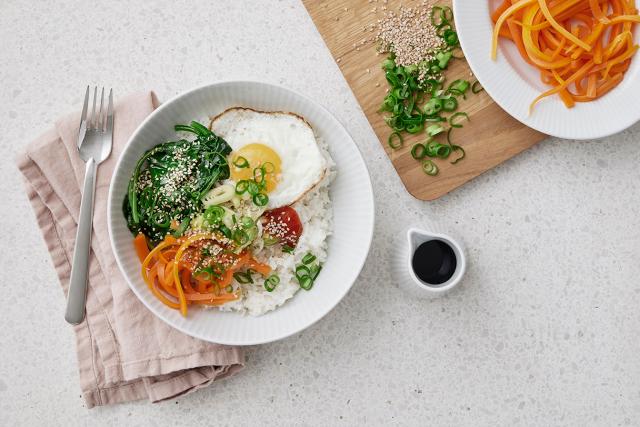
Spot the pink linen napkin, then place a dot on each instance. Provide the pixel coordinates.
(125, 353)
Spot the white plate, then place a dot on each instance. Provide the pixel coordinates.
(353, 212)
(513, 84)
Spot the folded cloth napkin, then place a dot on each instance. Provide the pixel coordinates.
(125, 353)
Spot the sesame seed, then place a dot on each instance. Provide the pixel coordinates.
(409, 34)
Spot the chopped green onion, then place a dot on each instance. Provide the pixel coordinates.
(301, 271)
(243, 278)
(429, 168)
(442, 29)
(459, 85)
(476, 87)
(271, 282)
(395, 140)
(433, 106)
(242, 186)
(268, 167)
(414, 127)
(446, 13)
(450, 104)
(418, 151)
(241, 162)
(308, 258)
(213, 215)
(456, 123)
(253, 188)
(288, 249)
(259, 177)
(443, 151)
(229, 289)
(314, 271)
(450, 37)
(241, 237)
(440, 21)
(306, 282)
(225, 231)
(247, 222)
(260, 199)
(434, 130)
(443, 59)
(269, 241)
(458, 148)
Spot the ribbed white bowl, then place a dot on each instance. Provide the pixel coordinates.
(353, 211)
(513, 83)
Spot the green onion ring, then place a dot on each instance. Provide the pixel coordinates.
(452, 120)
(434, 130)
(442, 21)
(450, 104)
(398, 137)
(418, 151)
(268, 167)
(429, 168)
(242, 186)
(241, 237)
(261, 174)
(308, 258)
(306, 282)
(241, 162)
(446, 13)
(253, 188)
(269, 241)
(414, 127)
(271, 282)
(315, 271)
(260, 199)
(301, 271)
(243, 278)
(457, 148)
(476, 87)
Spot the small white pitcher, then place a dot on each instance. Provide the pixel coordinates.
(403, 270)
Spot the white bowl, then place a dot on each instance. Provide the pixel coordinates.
(513, 83)
(351, 194)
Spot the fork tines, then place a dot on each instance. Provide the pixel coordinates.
(103, 120)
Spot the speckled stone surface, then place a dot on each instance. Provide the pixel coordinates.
(545, 329)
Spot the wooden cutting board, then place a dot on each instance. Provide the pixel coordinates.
(490, 138)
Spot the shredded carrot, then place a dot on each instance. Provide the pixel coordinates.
(582, 48)
(171, 280)
(141, 247)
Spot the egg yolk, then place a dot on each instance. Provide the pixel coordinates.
(256, 155)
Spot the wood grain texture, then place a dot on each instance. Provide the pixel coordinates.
(490, 138)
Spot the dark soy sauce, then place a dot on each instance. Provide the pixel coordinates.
(434, 262)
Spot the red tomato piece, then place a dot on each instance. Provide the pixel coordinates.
(283, 224)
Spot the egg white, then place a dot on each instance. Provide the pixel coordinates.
(303, 165)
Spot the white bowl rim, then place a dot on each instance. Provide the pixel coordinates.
(187, 93)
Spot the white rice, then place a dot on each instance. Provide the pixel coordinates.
(316, 215)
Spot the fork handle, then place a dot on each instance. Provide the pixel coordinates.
(77, 296)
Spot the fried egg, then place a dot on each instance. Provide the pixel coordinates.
(282, 144)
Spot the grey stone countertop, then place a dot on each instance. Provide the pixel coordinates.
(544, 330)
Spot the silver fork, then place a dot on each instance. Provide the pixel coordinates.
(95, 138)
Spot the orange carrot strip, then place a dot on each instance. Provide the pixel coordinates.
(501, 19)
(547, 14)
(141, 247)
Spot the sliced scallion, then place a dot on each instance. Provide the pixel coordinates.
(429, 167)
(241, 162)
(395, 140)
